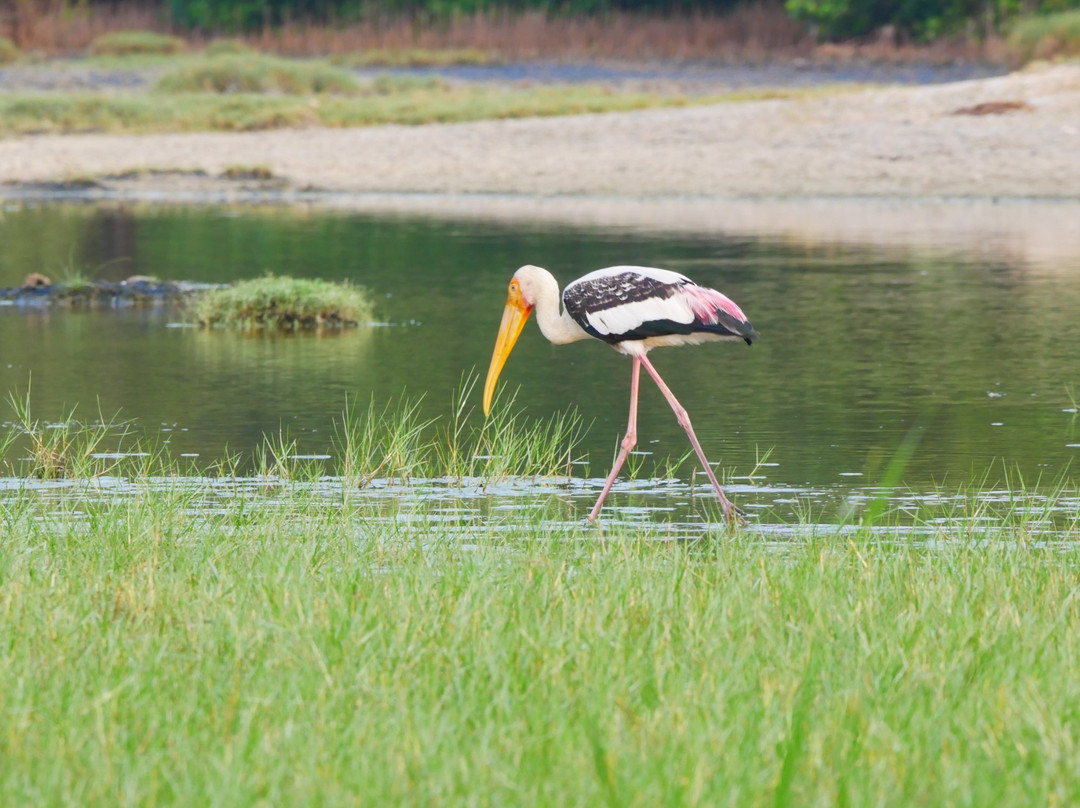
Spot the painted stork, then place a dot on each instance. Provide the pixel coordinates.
(633, 309)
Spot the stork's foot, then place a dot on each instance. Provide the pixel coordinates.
(733, 514)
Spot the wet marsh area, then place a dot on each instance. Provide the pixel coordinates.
(965, 359)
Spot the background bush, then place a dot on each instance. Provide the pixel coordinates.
(1049, 37)
(235, 15)
(917, 20)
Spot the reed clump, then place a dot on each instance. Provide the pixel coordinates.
(278, 303)
(66, 448)
(136, 43)
(390, 100)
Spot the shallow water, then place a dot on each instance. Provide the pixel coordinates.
(969, 358)
(703, 78)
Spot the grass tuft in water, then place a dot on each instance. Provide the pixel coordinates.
(395, 443)
(386, 101)
(390, 442)
(60, 449)
(507, 443)
(283, 304)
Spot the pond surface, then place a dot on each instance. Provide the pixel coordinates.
(972, 359)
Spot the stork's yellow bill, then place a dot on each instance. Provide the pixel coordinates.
(515, 315)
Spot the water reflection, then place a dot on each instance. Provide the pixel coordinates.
(861, 347)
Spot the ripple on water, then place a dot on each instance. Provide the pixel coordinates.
(472, 507)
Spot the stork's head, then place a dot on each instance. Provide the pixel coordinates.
(520, 301)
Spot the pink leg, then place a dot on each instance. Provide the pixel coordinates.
(628, 442)
(731, 513)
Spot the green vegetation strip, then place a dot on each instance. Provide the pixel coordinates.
(190, 112)
(311, 655)
(251, 73)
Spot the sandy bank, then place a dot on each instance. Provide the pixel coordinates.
(751, 162)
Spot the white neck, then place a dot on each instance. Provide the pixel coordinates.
(556, 325)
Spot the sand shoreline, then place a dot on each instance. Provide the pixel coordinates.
(899, 162)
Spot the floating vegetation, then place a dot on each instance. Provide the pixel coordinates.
(283, 304)
(136, 43)
(258, 74)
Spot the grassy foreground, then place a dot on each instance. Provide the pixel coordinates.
(296, 646)
(310, 655)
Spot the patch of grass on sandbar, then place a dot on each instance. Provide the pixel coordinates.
(136, 43)
(388, 103)
(246, 73)
(282, 303)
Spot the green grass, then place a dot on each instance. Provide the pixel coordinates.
(283, 303)
(134, 43)
(315, 653)
(198, 640)
(8, 52)
(415, 57)
(27, 113)
(1052, 36)
(257, 74)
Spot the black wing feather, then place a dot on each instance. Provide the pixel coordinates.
(582, 298)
